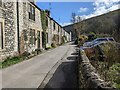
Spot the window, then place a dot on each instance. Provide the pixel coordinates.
(46, 21)
(38, 39)
(58, 29)
(54, 26)
(1, 36)
(32, 37)
(46, 37)
(0, 3)
(31, 12)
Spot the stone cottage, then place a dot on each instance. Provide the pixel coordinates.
(21, 28)
(8, 29)
(30, 28)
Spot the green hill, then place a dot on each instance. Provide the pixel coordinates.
(104, 25)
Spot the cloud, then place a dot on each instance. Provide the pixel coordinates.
(102, 7)
(82, 9)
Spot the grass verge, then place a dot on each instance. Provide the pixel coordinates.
(11, 61)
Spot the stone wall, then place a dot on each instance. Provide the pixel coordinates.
(88, 76)
(7, 13)
(28, 24)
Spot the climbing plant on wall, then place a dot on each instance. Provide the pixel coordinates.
(44, 27)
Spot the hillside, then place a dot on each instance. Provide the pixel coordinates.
(103, 25)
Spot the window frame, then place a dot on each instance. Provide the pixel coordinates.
(1, 3)
(46, 21)
(58, 29)
(31, 12)
(38, 39)
(54, 26)
(2, 34)
(47, 37)
(32, 36)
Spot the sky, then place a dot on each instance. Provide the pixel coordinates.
(62, 11)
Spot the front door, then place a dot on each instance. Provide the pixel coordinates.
(38, 39)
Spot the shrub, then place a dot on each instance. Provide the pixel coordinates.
(109, 68)
(92, 36)
(64, 39)
(25, 54)
(0, 65)
(10, 61)
(48, 48)
(82, 39)
(112, 53)
(53, 45)
(113, 74)
(38, 51)
(90, 53)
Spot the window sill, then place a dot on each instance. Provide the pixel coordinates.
(31, 20)
(2, 49)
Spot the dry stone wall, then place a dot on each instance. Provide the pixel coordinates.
(89, 77)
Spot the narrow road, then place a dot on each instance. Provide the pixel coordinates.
(52, 69)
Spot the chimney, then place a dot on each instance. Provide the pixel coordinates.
(47, 12)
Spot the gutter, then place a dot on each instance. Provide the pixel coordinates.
(18, 25)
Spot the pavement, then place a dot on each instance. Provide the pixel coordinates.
(42, 70)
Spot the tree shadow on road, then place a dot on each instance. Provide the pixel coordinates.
(72, 58)
(74, 53)
(66, 75)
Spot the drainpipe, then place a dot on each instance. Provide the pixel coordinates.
(18, 25)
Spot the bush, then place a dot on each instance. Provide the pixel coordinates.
(112, 53)
(82, 39)
(64, 39)
(25, 54)
(0, 65)
(109, 68)
(53, 45)
(92, 36)
(38, 51)
(113, 74)
(48, 48)
(10, 61)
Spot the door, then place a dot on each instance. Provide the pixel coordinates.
(38, 39)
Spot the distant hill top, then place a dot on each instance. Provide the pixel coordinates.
(106, 24)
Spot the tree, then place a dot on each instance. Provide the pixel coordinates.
(75, 19)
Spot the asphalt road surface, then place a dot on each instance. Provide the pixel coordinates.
(56, 68)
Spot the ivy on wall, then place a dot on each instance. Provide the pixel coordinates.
(44, 27)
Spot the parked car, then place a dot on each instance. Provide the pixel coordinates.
(98, 41)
